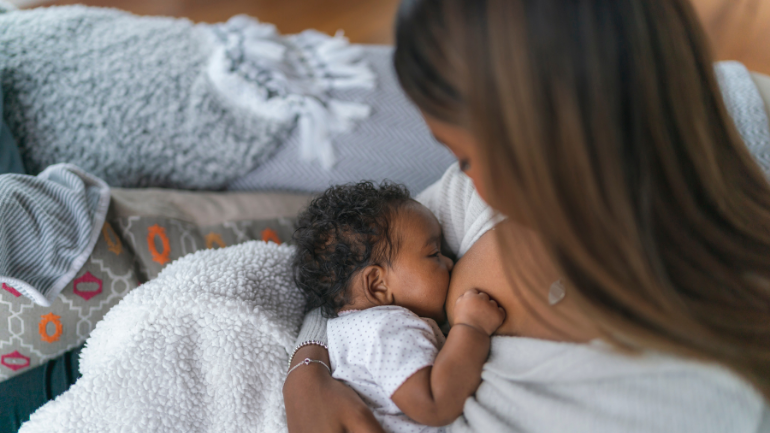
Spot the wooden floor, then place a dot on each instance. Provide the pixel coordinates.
(738, 29)
(364, 21)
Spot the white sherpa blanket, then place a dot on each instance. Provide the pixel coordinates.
(202, 348)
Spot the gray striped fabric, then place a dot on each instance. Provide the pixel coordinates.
(49, 224)
(747, 108)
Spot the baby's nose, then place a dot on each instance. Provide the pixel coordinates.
(449, 263)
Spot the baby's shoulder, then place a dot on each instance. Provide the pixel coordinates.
(382, 332)
(378, 321)
(376, 316)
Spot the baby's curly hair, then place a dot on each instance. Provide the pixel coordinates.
(341, 232)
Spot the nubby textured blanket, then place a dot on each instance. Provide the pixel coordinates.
(202, 348)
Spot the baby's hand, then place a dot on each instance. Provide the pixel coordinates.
(476, 309)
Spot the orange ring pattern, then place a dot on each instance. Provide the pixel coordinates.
(152, 233)
(115, 246)
(42, 327)
(269, 234)
(214, 238)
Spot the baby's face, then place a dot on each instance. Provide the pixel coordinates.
(420, 273)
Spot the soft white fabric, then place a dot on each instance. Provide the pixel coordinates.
(463, 215)
(313, 328)
(376, 350)
(201, 348)
(534, 385)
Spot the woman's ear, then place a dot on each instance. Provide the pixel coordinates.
(376, 287)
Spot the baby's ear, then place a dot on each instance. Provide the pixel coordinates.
(376, 287)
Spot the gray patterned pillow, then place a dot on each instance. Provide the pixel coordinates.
(145, 231)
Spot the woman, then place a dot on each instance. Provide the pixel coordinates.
(598, 129)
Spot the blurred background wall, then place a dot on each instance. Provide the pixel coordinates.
(738, 29)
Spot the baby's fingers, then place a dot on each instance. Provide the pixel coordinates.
(496, 309)
(468, 293)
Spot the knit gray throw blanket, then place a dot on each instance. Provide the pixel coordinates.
(148, 101)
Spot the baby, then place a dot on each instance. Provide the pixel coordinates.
(370, 257)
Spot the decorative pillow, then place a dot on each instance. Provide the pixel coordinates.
(31, 334)
(158, 101)
(145, 230)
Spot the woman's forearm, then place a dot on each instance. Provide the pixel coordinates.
(317, 403)
(311, 351)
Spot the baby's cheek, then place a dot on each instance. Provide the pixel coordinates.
(451, 302)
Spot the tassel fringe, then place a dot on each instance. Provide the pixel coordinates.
(284, 77)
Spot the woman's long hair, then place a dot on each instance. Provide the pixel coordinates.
(601, 126)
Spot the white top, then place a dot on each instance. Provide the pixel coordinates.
(534, 386)
(460, 211)
(374, 351)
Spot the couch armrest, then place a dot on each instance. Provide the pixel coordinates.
(763, 84)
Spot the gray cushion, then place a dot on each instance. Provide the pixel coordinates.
(394, 143)
(762, 82)
(146, 229)
(10, 160)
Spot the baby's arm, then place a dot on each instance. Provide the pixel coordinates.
(435, 395)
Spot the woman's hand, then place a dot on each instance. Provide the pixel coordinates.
(316, 402)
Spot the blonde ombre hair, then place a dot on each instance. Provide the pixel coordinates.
(601, 126)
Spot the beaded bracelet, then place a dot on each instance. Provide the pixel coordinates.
(307, 361)
(306, 343)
